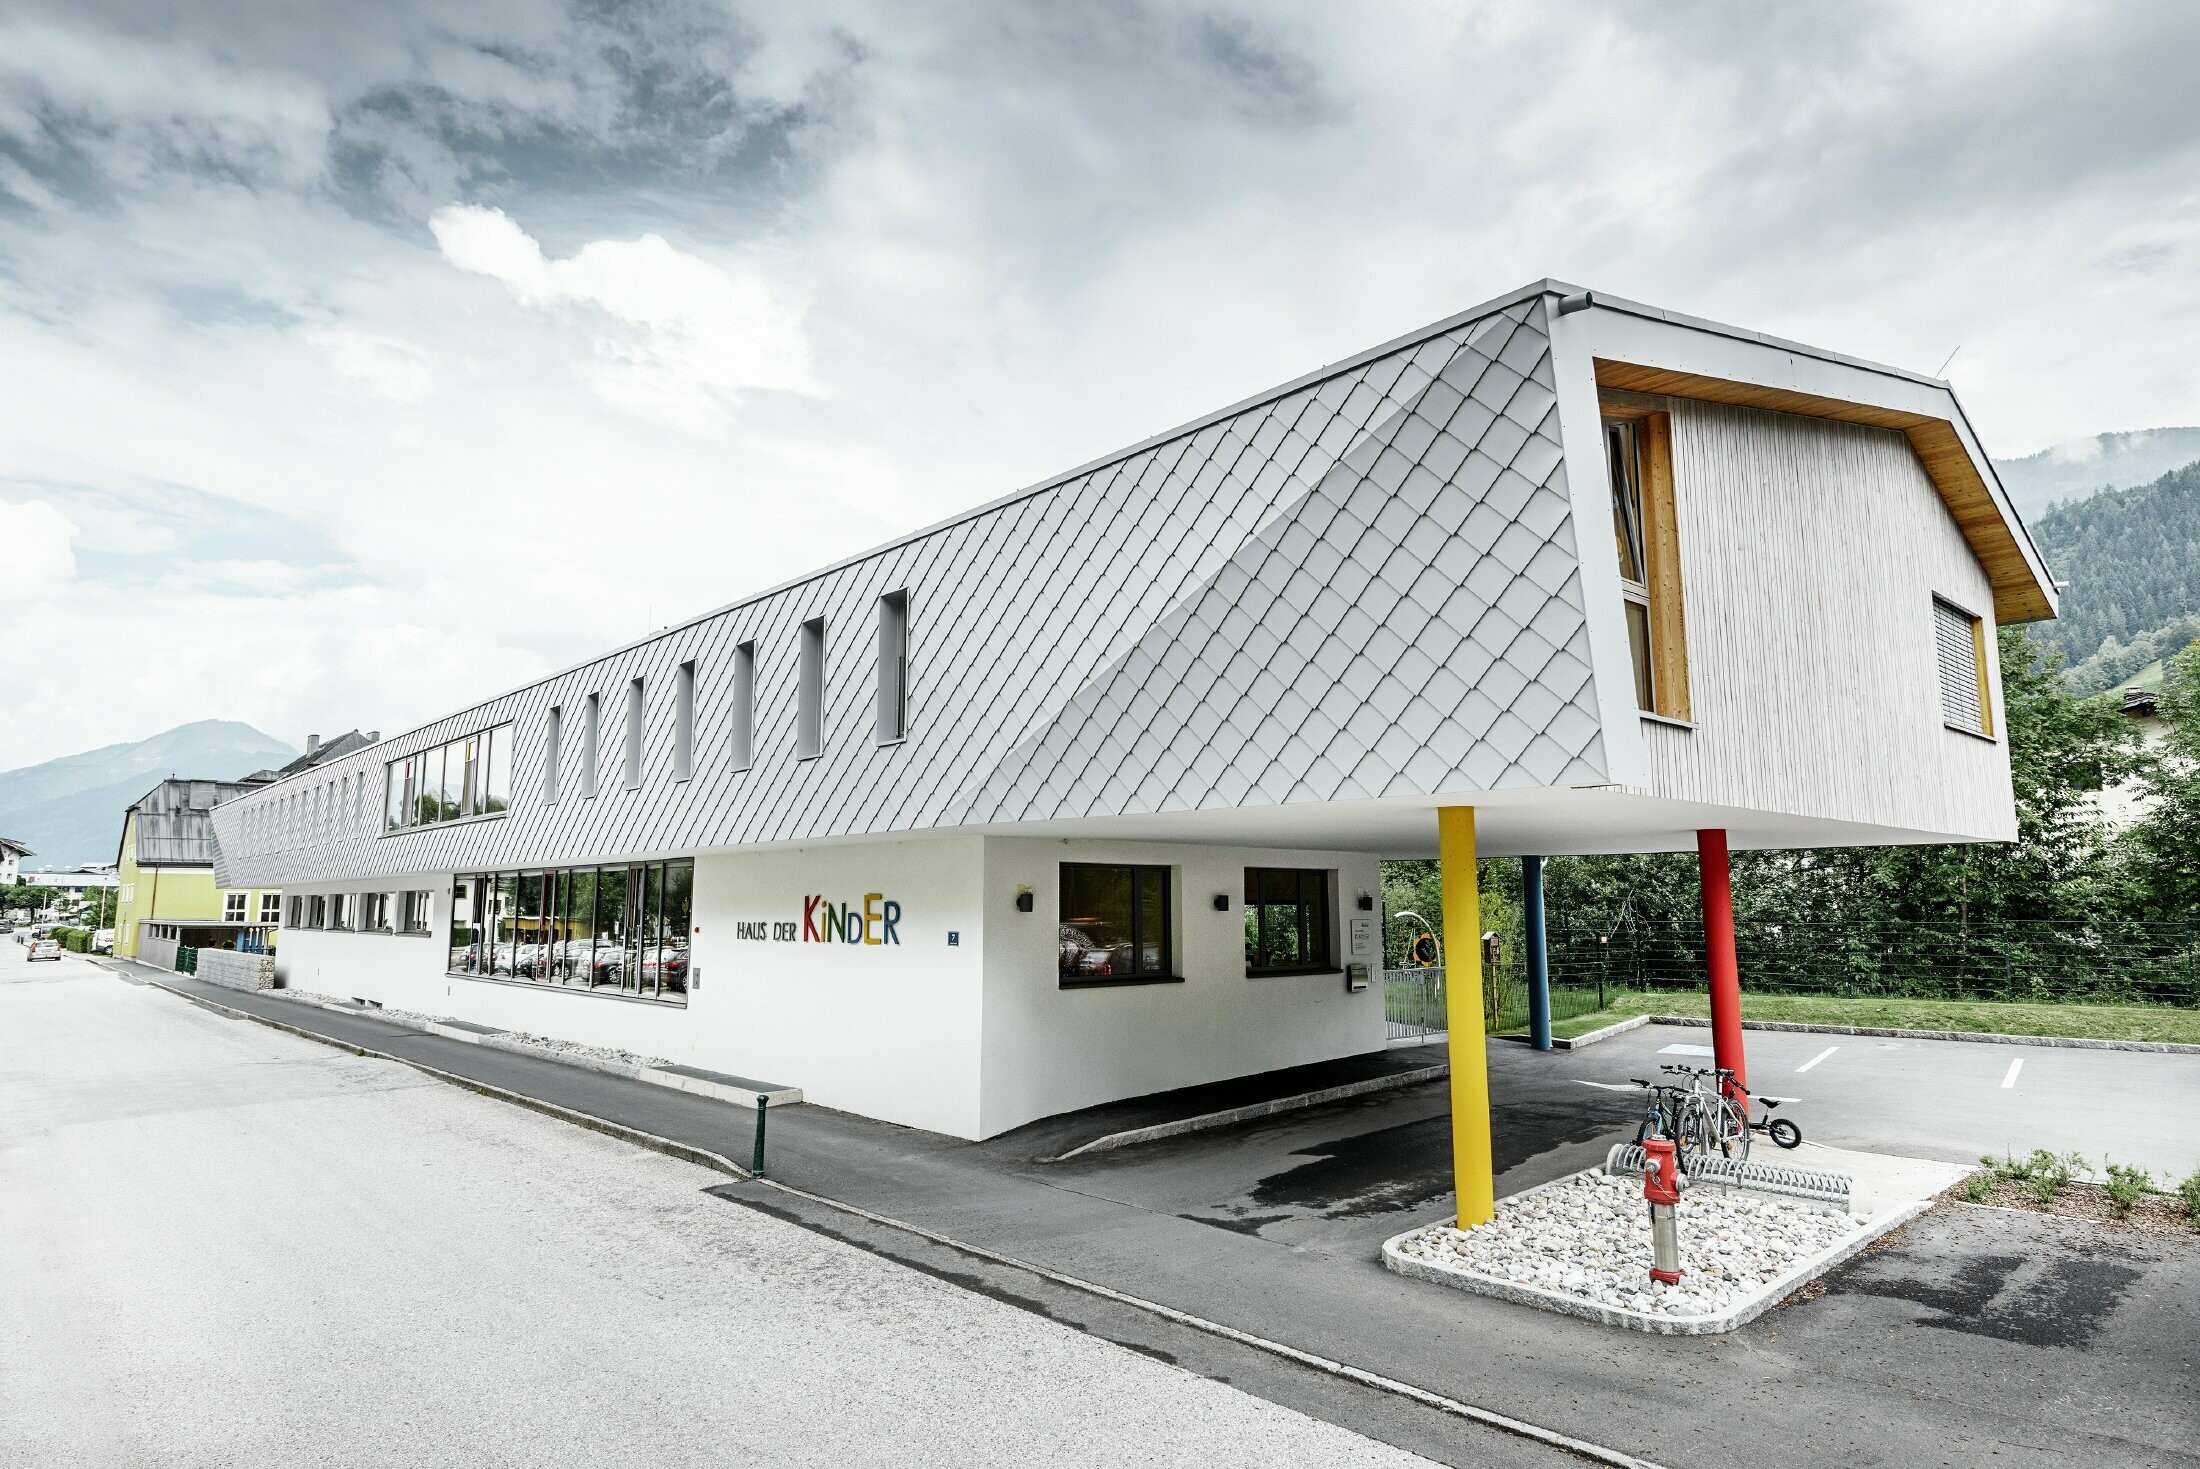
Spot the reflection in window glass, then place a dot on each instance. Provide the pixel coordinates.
(613, 929)
(497, 789)
(466, 777)
(1286, 920)
(1114, 923)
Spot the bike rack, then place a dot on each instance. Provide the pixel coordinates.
(1770, 1178)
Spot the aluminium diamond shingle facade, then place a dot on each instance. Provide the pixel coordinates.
(1363, 586)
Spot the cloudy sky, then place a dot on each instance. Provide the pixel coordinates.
(360, 360)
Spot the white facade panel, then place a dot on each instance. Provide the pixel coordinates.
(1050, 1049)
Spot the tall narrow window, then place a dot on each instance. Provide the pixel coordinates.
(552, 740)
(809, 723)
(635, 710)
(1638, 456)
(683, 722)
(893, 667)
(743, 743)
(1959, 642)
(591, 717)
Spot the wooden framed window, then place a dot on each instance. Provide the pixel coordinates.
(1638, 450)
(1959, 645)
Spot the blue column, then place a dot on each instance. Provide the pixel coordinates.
(1539, 957)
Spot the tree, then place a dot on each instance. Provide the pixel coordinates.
(2164, 848)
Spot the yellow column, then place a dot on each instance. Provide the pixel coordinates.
(1471, 1167)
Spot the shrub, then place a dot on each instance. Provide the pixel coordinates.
(1978, 1187)
(2189, 1192)
(2125, 1185)
(2050, 1174)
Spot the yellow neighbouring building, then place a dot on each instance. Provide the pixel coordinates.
(164, 870)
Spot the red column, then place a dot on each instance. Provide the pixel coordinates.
(1718, 954)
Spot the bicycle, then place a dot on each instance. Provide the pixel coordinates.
(1661, 1111)
(1718, 1116)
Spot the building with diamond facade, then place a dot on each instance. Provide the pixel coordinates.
(1081, 795)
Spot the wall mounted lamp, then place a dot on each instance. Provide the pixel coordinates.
(1023, 900)
(1222, 902)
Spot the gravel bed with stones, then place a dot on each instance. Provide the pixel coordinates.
(530, 1041)
(1588, 1236)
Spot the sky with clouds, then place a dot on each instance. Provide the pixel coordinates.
(361, 360)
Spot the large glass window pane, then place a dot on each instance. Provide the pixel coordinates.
(497, 787)
(393, 797)
(1152, 891)
(507, 923)
(1286, 919)
(527, 927)
(679, 918)
(466, 757)
(1619, 447)
(580, 925)
(1638, 648)
(609, 963)
(465, 933)
(1095, 932)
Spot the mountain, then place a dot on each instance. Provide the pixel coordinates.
(2132, 558)
(2085, 467)
(69, 811)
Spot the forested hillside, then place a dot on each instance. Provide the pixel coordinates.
(2132, 558)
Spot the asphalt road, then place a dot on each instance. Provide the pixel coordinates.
(223, 1245)
(1976, 1336)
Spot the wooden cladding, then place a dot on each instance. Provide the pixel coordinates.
(2018, 595)
(1653, 439)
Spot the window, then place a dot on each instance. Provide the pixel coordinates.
(893, 667)
(552, 739)
(297, 913)
(1959, 640)
(591, 713)
(374, 912)
(271, 907)
(743, 744)
(595, 930)
(417, 918)
(1114, 924)
(635, 711)
(683, 722)
(233, 907)
(809, 724)
(317, 912)
(1639, 457)
(1286, 921)
(464, 778)
(339, 910)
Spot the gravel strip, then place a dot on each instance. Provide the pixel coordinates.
(1588, 1236)
(571, 1050)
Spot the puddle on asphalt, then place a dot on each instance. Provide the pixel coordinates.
(2061, 1297)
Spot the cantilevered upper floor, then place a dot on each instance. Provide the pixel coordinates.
(1607, 573)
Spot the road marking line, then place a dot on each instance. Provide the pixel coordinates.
(1813, 1061)
(1607, 1086)
(1686, 1050)
(2011, 1079)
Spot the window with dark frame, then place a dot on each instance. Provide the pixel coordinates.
(1287, 923)
(621, 930)
(1114, 925)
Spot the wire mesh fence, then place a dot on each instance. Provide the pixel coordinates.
(1414, 1002)
(2037, 963)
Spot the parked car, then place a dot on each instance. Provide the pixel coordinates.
(44, 949)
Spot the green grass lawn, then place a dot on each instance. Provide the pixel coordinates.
(2085, 1022)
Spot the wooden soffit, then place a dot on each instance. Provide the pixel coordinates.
(2018, 595)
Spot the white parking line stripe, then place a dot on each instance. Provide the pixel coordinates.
(1813, 1061)
(1607, 1086)
(2014, 1067)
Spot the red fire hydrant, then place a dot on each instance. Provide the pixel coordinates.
(1661, 1185)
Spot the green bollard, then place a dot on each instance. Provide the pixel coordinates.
(756, 1158)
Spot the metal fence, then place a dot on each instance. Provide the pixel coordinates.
(2136, 964)
(1414, 1001)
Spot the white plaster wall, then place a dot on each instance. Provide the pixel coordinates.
(888, 1031)
(1049, 1049)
